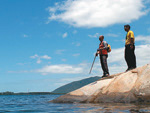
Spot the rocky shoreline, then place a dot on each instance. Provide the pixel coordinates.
(127, 87)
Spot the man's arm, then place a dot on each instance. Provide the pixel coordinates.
(100, 49)
(105, 45)
(131, 40)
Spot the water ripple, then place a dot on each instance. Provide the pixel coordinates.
(40, 104)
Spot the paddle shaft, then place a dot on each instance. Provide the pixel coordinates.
(92, 64)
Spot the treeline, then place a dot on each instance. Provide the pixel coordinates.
(28, 93)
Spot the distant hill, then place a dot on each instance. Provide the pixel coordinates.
(75, 85)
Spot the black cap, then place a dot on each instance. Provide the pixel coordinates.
(127, 26)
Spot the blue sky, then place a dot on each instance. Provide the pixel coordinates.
(48, 43)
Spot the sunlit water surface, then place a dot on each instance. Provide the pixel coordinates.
(40, 104)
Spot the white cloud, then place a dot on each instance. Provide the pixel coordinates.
(112, 35)
(25, 36)
(65, 35)
(96, 35)
(143, 54)
(76, 44)
(64, 60)
(75, 55)
(141, 38)
(35, 56)
(75, 31)
(59, 51)
(116, 55)
(60, 69)
(45, 57)
(97, 13)
(40, 57)
(39, 61)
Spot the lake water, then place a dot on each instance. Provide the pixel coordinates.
(40, 104)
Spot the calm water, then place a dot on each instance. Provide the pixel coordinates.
(40, 104)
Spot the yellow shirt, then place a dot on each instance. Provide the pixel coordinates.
(129, 35)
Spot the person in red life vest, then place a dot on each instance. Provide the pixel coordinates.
(102, 51)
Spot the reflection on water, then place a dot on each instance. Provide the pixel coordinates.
(39, 103)
(115, 108)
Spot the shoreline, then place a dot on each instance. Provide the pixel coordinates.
(30, 93)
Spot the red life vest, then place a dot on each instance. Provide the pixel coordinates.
(104, 51)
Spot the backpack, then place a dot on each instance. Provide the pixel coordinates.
(109, 48)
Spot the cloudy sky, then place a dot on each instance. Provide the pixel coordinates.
(48, 43)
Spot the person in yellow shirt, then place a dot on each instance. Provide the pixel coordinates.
(130, 48)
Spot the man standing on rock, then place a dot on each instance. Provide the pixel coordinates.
(102, 51)
(129, 48)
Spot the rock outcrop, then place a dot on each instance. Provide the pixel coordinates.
(127, 87)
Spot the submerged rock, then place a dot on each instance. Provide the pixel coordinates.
(127, 87)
